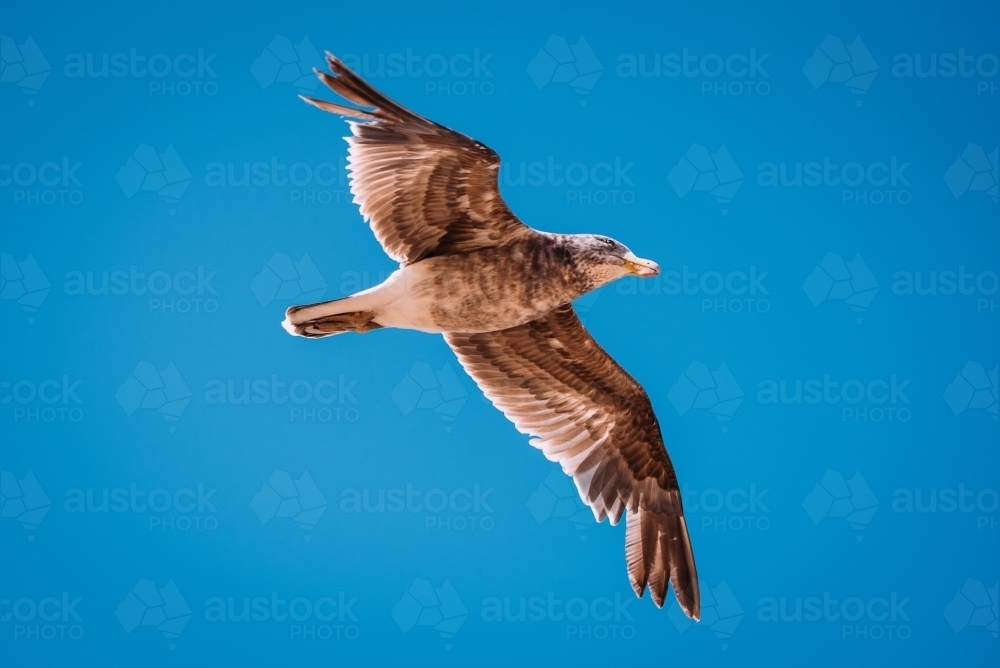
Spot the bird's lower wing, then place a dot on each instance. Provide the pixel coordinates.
(554, 382)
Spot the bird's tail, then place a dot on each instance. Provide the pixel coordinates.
(658, 551)
(315, 321)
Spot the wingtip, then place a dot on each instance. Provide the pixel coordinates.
(667, 567)
(690, 608)
(340, 109)
(691, 605)
(658, 600)
(638, 587)
(335, 64)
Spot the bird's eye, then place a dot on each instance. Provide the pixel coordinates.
(610, 243)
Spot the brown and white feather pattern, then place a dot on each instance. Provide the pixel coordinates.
(425, 189)
(553, 381)
(428, 191)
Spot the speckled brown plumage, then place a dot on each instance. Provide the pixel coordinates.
(500, 293)
(553, 381)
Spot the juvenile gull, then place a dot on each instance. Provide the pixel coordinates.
(500, 292)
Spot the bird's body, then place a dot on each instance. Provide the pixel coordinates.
(479, 291)
(500, 292)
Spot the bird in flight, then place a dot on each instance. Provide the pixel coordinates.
(500, 292)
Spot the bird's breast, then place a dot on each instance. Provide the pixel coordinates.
(483, 291)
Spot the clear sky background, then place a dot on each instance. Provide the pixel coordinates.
(819, 186)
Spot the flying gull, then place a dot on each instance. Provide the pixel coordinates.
(500, 292)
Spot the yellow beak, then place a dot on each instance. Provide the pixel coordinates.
(640, 267)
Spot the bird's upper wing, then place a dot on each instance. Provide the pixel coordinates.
(426, 190)
(553, 381)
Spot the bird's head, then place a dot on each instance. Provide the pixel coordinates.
(608, 259)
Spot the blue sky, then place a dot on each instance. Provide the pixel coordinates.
(819, 186)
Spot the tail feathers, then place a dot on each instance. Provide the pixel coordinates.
(658, 551)
(328, 325)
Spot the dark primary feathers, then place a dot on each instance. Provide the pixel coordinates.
(426, 190)
(553, 381)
